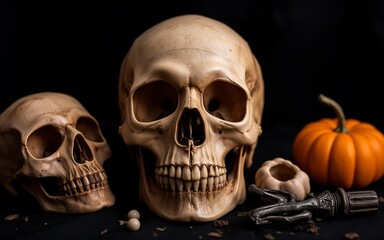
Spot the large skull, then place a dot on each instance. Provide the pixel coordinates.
(191, 97)
(52, 147)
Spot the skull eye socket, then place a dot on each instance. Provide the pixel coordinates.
(89, 128)
(154, 101)
(44, 141)
(225, 101)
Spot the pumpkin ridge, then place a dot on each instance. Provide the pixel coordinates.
(352, 124)
(364, 161)
(303, 144)
(342, 164)
(319, 163)
(376, 145)
(363, 127)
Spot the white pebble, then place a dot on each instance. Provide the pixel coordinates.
(133, 224)
(133, 214)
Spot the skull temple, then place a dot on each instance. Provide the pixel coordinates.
(191, 97)
(54, 149)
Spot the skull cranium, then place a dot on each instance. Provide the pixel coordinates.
(191, 97)
(53, 148)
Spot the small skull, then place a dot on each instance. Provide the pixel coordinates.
(191, 97)
(54, 149)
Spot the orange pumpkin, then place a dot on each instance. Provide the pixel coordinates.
(339, 152)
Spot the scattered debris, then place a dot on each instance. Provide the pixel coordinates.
(220, 223)
(161, 229)
(269, 236)
(11, 217)
(351, 236)
(215, 234)
(104, 231)
(312, 228)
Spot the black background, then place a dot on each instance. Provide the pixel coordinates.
(304, 48)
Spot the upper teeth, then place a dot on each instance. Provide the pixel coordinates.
(84, 183)
(191, 178)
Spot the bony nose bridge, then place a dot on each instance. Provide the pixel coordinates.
(192, 97)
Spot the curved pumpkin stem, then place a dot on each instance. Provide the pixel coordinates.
(341, 125)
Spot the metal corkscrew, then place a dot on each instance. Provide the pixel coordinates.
(282, 206)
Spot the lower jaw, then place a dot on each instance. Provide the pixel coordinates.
(193, 206)
(88, 202)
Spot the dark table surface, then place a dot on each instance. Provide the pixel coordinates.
(304, 48)
(104, 224)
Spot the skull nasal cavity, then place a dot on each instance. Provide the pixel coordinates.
(81, 150)
(190, 128)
